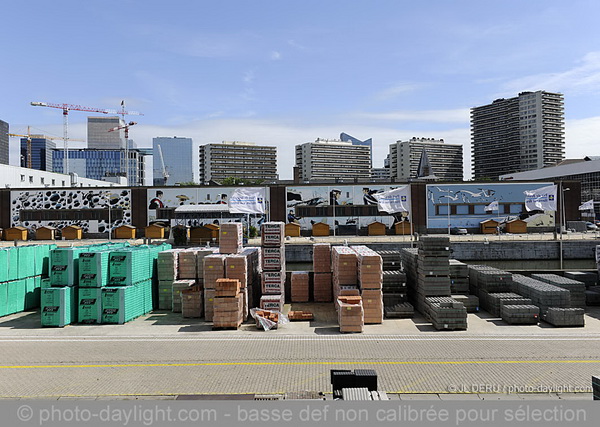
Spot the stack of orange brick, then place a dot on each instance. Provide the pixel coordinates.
(299, 286)
(231, 238)
(214, 269)
(350, 314)
(322, 289)
(178, 287)
(228, 304)
(273, 266)
(191, 302)
(187, 264)
(343, 263)
(236, 267)
(300, 315)
(370, 280)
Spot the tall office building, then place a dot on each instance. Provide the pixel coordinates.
(41, 152)
(100, 137)
(238, 160)
(355, 141)
(333, 160)
(517, 134)
(180, 157)
(445, 161)
(4, 143)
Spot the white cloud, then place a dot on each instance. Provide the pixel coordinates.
(583, 77)
(459, 115)
(275, 56)
(582, 137)
(396, 90)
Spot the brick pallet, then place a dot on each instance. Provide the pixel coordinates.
(209, 302)
(322, 258)
(575, 288)
(299, 288)
(178, 287)
(231, 238)
(564, 316)
(520, 314)
(165, 295)
(350, 314)
(187, 268)
(273, 234)
(227, 304)
(272, 302)
(272, 261)
(370, 280)
(344, 265)
(300, 315)
(214, 269)
(191, 302)
(323, 287)
(167, 263)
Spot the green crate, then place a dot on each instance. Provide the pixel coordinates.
(90, 305)
(58, 306)
(16, 296)
(42, 259)
(3, 298)
(45, 283)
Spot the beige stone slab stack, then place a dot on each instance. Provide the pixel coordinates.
(187, 268)
(167, 264)
(214, 269)
(178, 287)
(200, 254)
(191, 302)
(322, 289)
(370, 280)
(344, 265)
(299, 286)
(273, 265)
(350, 314)
(227, 304)
(231, 238)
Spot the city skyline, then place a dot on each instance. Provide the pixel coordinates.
(280, 74)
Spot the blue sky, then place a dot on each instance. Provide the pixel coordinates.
(283, 73)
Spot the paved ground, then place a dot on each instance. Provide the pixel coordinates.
(165, 356)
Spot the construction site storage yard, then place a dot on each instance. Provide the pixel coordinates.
(276, 319)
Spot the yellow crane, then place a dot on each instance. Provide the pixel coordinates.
(30, 136)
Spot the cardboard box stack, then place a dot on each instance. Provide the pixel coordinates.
(191, 302)
(299, 286)
(214, 269)
(322, 289)
(370, 280)
(228, 304)
(344, 266)
(350, 314)
(231, 238)
(273, 266)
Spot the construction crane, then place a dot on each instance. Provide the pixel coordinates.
(125, 127)
(29, 136)
(65, 109)
(165, 174)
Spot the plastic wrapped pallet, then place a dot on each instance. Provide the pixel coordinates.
(178, 287)
(350, 314)
(253, 257)
(344, 264)
(273, 282)
(187, 268)
(272, 302)
(322, 289)
(90, 305)
(165, 295)
(231, 238)
(272, 234)
(64, 265)
(58, 306)
(191, 302)
(300, 286)
(236, 267)
(273, 258)
(372, 300)
(322, 258)
(128, 266)
(167, 264)
(201, 253)
(228, 311)
(214, 269)
(93, 269)
(209, 299)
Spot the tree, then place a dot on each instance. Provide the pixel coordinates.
(241, 181)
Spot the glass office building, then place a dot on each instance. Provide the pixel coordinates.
(100, 164)
(181, 163)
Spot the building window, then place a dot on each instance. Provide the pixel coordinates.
(31, 179)
(22, 178)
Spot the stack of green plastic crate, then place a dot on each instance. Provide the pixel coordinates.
(59, 306)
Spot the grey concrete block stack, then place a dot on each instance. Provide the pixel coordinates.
(541, 294)
(587, 277)
(471, 302)
(403, 310)
(575, 288)
(445, 313)
(565, 316)
(488, 279)
(433, 269)
(394, 288)
(459, 277)
(391, 260)
(526, 314)
(491, 301)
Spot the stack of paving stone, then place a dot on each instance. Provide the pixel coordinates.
(409, 262)
(445, 313)
(587, 277)
(403, 310)
(491, 302)
(392, 260)
(488, 279)
(273, 265)
(214, 269)
(565, 316)
(370, 280)
(350, 314)
(459, 277)
(394, 288)
(433, 269)
(575, 288)
(231, 238)
(541, 294)
(592, 296)
(471, 302)
(227, 305)
(523, 314)
(167, 264)
(299, 286)
(344, 265)
(596, 387)
(191, 302)
(178, 287)
(322, 288)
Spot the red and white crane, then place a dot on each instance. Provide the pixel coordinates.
(65, 109)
